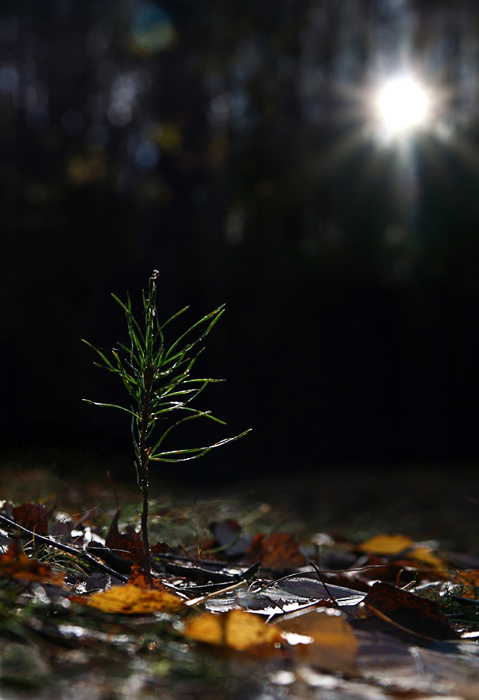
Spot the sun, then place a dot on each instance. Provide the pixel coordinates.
(402, 106)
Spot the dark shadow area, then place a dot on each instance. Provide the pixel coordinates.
(234, 147)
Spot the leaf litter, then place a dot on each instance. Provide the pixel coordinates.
(242, 608)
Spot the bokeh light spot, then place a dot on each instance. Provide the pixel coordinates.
(120, 114)
(152, 31)
(147, 155)
(169, 138)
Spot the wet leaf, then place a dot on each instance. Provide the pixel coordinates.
(333, 646)
(128, 545)
(409, 611)
(15, 564)
(33, 516)
(132, 600)
(280, 552)
(416, 672)
(235, 629)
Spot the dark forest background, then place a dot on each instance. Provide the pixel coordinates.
(227, 144)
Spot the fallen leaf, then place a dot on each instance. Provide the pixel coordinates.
(15, 564)
(470, 581)
(408, 611)
(280, 552)
(140, 579)
(386, 544)
(394, 545)
(228, 539)
(132, 600)
(128, 545)
(414, 672)
(33, 516)
(333, 645)
(400, 572)
(236, 629)
(160, 548)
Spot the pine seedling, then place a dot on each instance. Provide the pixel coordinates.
(157, 377)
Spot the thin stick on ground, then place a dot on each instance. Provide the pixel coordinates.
(81, 554)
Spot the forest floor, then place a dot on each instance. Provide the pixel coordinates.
(354, 583)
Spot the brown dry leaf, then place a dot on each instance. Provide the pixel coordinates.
(236, 629)
(128, 545)
(470, 580)
(333, 646)
(408, 611)
(140, 579)
(401, 544)
(279, 552)
(132, 600)
(33, 516)
(15, 564)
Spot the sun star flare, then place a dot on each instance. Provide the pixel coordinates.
(402, 105)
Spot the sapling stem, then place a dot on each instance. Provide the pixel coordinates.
(158, 379)
(144, 467)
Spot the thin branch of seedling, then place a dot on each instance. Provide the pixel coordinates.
(157, 378)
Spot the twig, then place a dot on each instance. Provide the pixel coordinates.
(321, 578)
(464, 601)
(243, 579)
(65, 548)
(110, 479)
(196, 601)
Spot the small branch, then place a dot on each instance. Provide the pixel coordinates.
(65, 548)
(321, 578)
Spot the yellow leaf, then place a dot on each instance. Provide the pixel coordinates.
(423, 554)
(235, 629)
(386, 544)
(332, 646)
(131, 600)
(396, 544)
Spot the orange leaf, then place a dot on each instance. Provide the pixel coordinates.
(15, 564)
(332, 646)
(279, 552)
(131, 600)
(235, 629)
(470, 580)
(140, 579)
